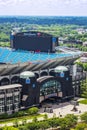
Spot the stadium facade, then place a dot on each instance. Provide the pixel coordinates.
(29, 75)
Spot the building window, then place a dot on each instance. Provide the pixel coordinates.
(16, 90)
(2, 109)
(9, 91)
(9, 100)
(49, 87)
(16, 106)
(9, 107)
(16, 99)
(1, 101)
(1, 92)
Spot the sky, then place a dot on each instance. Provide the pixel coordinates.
(43, 7)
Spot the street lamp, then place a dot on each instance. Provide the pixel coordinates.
(74, 107)
(74, 92)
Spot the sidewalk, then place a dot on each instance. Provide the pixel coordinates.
(64, 109)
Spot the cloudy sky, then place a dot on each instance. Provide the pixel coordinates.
(44, 7)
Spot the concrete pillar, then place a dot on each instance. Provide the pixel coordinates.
(74, 70)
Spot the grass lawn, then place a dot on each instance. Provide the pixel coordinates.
(12, 120)
(83, 101)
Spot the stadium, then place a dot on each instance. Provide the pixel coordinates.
(31, 71)
(23, 60)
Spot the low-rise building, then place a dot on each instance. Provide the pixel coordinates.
(10, 98)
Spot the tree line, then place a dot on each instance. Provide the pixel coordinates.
(45, 20)
(69, 122)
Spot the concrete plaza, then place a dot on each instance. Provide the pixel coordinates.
(63, 109)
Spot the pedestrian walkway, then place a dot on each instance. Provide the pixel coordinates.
(64, 109)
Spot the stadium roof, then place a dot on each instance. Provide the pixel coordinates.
(17, 61)
(27, 74)
(60, 69)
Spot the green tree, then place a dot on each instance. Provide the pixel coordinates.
(68, 121)
(15, 123)
(23, 127)
(63, 124)
(85, 66)
(81, 126)
(84, 117)
(33, 110)
(4, 37)
(24, 121)
(84, 89)
(43, 125)
(45, 116)
(32, 126)
(35, 119)
(71, 119)
(10, 128)
(54, 122)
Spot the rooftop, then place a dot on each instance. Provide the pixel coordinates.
(61, 69)
(27, 74)
(11, 86)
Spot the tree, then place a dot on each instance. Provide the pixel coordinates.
(35, 119)
(54, 122)
(45, 116)
(32, 126)
(63, 124)
(10, 128)
(81, 126)
(79, 64)
(16, 123)
(84, 89)
(84, 117)
(71, 119)
(24, 121)
(43, 125)
(68, 121)
(33, 110)
(85, 66)
(23, 127)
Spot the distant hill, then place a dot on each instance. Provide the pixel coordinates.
(45, 20)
